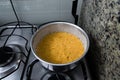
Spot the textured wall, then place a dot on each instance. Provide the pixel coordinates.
(101, 20)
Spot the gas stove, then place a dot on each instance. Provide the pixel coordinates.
(23, 65)
(17, 62)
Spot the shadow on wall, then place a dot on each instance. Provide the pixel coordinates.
(91, 58)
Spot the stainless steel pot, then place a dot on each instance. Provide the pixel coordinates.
(57, 27)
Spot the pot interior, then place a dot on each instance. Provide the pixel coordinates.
(60, 27)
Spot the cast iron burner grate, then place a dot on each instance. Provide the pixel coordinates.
(6, 55)
(78, 73)
(14, 47)
(55, 76)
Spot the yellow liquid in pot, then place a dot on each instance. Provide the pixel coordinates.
(60, 48)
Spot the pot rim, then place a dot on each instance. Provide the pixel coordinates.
(53, 64)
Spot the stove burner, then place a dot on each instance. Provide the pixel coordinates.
(56, 76)
(6, 55)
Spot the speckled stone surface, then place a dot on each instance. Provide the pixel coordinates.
(101, 20)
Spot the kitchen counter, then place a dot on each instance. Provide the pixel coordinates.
(101, 20)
